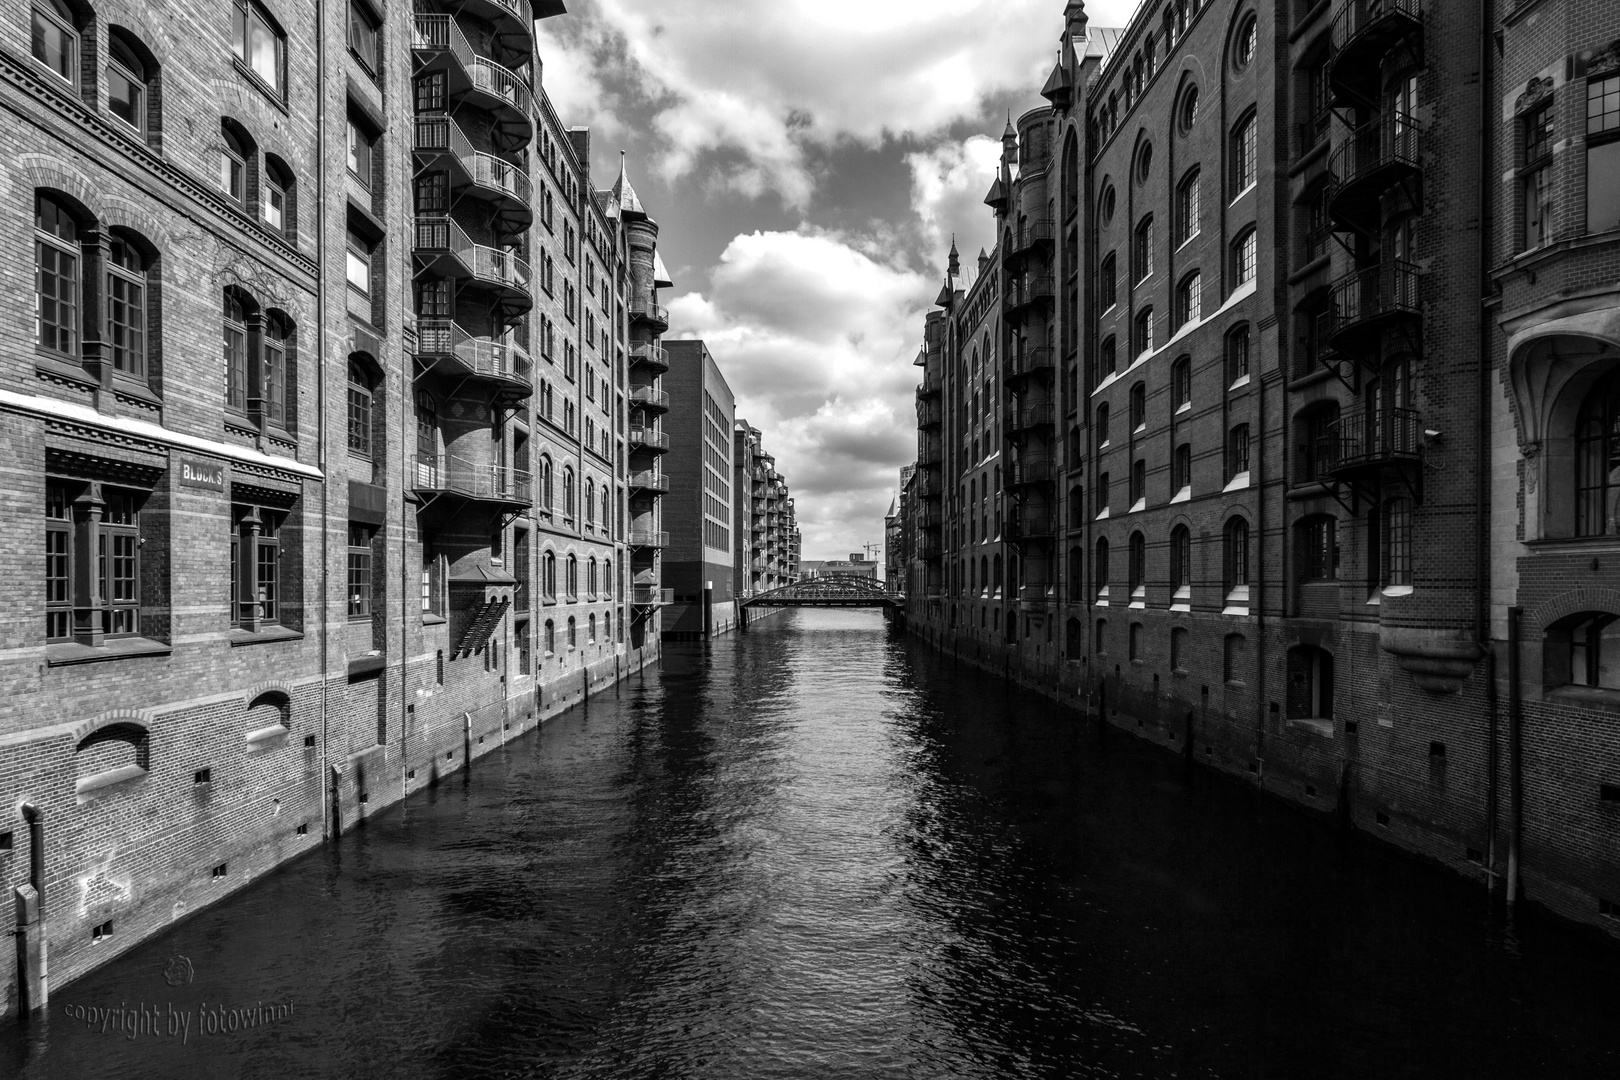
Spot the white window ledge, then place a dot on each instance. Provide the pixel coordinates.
(1185, 406)
(1183, 495)
(1245, 191)
(1397, 590)
(1238, 383)
(1234, 609)
(1103, 513)
(1139, 504)
(1238, 482)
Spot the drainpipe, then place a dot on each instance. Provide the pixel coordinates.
(328, 825)
(1482, 440)
(1515, 777)
(33, 983)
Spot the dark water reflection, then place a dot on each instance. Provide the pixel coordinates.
(817, 850)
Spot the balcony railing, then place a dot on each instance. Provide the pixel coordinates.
(1033, 233)
(929, 413)
(647, 537)
(1031, 417)
(484, 482)
(646, 595)
(1027, 290)
(649, 480)
(438, 134)
(643, 311)
(1364, 32)
(496, 266)
(1031, 526)
(650, 354)
(1031, 361)
(1374, 158)
(929, 387)
(439, 33)
(1027, 473)
(646, 397)
(648, 437)
(478, 356)
(1364, 438)
(1365, 302)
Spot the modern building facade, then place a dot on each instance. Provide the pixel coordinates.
(1285, 440)
(766, 529)
(699, 510)
(316, 431)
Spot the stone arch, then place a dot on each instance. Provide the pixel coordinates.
(1572, 602)
(60, 177)
(132, 20)
(272, 688)
(121, 213)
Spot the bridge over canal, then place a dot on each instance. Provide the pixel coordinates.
(829, 590)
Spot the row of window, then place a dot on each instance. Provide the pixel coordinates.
(1537, 132)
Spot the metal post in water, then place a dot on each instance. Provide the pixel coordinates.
(33, 981)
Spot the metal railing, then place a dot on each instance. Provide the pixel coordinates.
(1032, 472)
(1038, 358)
(437, 133)
(485, 481)
(1359, 16)
(646, 595)
(1032, 416)
(439, 33)
(491, 264)
(647, 352)
(641, 537)
(1027, 290)
(1363, 295)
(1393, 139)
(482, 356)
(1370, 436)
(646, 311)
(642, 436)
(649, 480)
(929, 387)
(647, 397)
(929, 413)
(1033, 232)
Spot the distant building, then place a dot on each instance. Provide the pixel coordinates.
(857, 564)
(767, 535)
(698, 511)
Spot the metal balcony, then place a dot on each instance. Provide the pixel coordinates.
(929, 414)
(1032, 473)
(648, 538)
(1035, 597)
(1030, 418)
(1364, 33)
(438, 44)
(443, 344)
(443, 474)
(1030, 526)
(645, 397)
(653, 357)
(444, 249)
(646, 313)
(645, 438)
(648, 480)
(1034, 234)
(1375, 158)
(646, 595)
(441, 145)
(1024, 291)
(1039, 360)
(928, 388)
(1368, 302)
(1367, 440)
(512, 19)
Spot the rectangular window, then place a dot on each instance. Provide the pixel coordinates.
(1238, 452)
(1602, 154)
(359, 263)
(1143, 333)
(233, 176)
(266, 564)
(58, 563)
(126, 95)
(1181, 467)
(236, 365)
(359, 571)
(1245, 256)
(1319, 549)
(117, 547)
(260, 45)
(1191, 300)
(275, 377)
(1107, 286)
(1187, 209)
(274, 204)
(126, 322)
(56, 43)
(363, 38)
(56, 297)
(360, 154)
(1244, 155)
(1144, 249)
(1181, 383)
(1397, 542)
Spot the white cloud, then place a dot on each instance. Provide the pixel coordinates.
(816, 338)
(771, 79)
(948, 185)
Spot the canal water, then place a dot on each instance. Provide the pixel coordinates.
(818, 849)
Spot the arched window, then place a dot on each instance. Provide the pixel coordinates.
(236, 159)
(568, 494)
(548, 576)
(360, 403)
(1235, 661)
(998, 580)
(1181, 472)
(56, 276)
(551, 638)
(1074, 645)
(573, 633)
(984, 575)
(1236, 564)
(1077, 507)
(1071, 176)
(1583, 650)
(1099, 570)
(590, 502)
(276, 198)
(238, 308)
(590, 578)
(1316, 429)
(572, 578)
(1180, 568)
(126, 306)
(1245, 257)
(1237, 454)
(1237, 356)
(129, 81)
(590, 628)
(609, 584)
(1102, 425)
(607, 627)
(56, 40)
(1187, 114)
(607, 508)
(273, 371)
(1597, 461)
(112, 755)
(1138, 569)
(1142, 333)
(1143, 248)
(546, 494)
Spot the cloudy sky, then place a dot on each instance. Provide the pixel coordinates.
(808, 162)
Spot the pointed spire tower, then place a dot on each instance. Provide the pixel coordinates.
(953, 264)
(625, 195)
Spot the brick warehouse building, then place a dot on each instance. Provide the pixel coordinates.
(766, 533)
(1265, 488)
(315, 305)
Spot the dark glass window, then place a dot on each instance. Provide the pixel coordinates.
(236, 353)
(126, 84)
(360, 402)
(56, 278)
(359, 555)
(260, 44)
